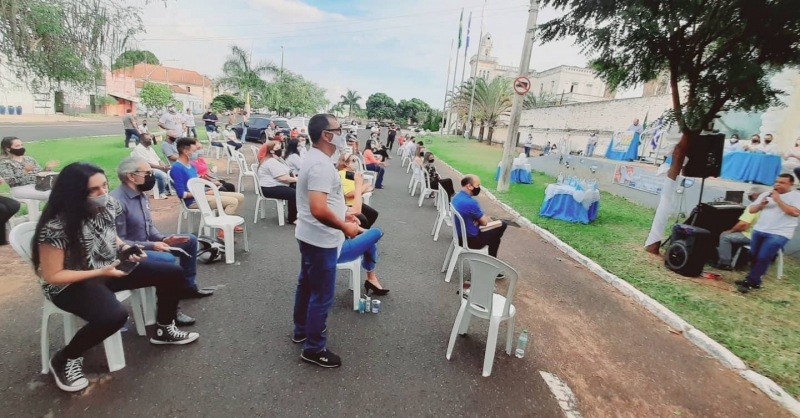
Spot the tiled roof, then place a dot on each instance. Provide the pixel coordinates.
(173, 87)
(162, 74)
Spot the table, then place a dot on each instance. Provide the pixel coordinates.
(519, 173)
(566, 203)
(751, 167)
(630, 155)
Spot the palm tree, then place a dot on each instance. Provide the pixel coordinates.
(351, 100)
(532, 100)
(337, 109)
(239, 73)
(492, 100)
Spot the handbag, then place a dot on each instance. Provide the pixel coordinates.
(45, 180)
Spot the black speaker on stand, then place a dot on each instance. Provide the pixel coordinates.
(689, 249)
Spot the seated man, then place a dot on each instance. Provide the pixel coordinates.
(168, 147)
(740, 233)
(135, 227)
(368, 215)
(146, 152)
(780, 209)
(467, 206)
(183, 171)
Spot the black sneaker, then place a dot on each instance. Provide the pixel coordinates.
(68, 372)
(324, 358)
(747, 284)
(171, 335)
(298, 338)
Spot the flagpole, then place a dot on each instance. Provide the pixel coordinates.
(455, 68)
(466, 48)
(446, 85)
(475, 81)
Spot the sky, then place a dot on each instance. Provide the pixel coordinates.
(398, 48)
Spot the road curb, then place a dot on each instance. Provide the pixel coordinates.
(697, 337)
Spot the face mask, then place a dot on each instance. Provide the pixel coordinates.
(734, 140)
(278, 153)
(476, 191)
(98, 202)
(146, 143)
(149, 182)
(430, 161)
(767, 141)
(19, 152)
(193, 156)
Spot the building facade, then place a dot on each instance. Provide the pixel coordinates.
(188, 82)
(563, 84)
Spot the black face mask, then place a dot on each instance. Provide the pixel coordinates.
(149, 182)
(278, 153)
(476, 191)
(19, 152)
(430, 161)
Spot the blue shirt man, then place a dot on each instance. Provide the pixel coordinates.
(465, 204)
(135, 226)
(210, 120)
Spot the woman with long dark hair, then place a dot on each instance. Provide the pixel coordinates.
(292, 156)
(76, 255)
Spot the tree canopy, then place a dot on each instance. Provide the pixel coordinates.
(155, 96)
(133, 57)
(412, 109)
(225, 102)
(380, 106)
(293, 94)
(351, 101)
(239, 73)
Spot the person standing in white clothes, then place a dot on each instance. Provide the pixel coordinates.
(172, 121)
(780, 209)
(191, 127)
(769, 146)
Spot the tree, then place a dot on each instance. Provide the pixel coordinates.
(293, 95)
(337, 109)
(381, 107)
(155, 96)
(534, 100)
(351, 101)
(724, 51)
(492, 101)
(225, 102)
(133, 57)
(239, 73)
(63, 41)
(410, 109)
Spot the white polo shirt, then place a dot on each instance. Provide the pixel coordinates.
(318, 174)
(773, 219)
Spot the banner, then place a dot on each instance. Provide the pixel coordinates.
(639, 178)
(622, 141)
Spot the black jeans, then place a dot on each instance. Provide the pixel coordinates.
(383, 153)
(285, 193)
(491, 238)
(226, 187)
(390, 142)
(368, 216)
(93, 301)
(8, 207)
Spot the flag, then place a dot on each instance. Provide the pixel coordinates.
(469, 25)
(460, 20)
(657, 134)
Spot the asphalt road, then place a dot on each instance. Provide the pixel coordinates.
(29, 132)
(245, 365)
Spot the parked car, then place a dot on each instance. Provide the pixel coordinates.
(300, 122)
(282, 125)
(372, 123)
(256, 127)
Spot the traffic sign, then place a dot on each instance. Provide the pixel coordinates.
(522, 85)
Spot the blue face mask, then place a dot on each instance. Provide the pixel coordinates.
(194, 156)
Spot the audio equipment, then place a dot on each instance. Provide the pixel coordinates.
(705, 155)
(689, 249)
(715, 217)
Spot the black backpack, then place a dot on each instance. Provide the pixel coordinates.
(209, 250)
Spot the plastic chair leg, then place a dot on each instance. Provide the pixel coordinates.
(454, 331)
(447, 256)
(355, 285)
(780, 264)
(138, 303)
(115, 355)
(45, 341)
(422, 196)
(149, 306)
(436, 222)
(491, 346)
(279, 205)
(229, 256)
(239, 183)
(70, 327)
(452, 266)
(464, 326)
(511, 324)
(255, 213)
(246, 241)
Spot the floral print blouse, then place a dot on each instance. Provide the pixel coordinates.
(13, 172)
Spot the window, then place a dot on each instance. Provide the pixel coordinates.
(188, 89)
(572, 88)
(541, 87)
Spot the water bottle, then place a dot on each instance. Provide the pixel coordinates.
(560, 178)
(523, 341)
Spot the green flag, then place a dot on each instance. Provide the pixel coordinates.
(460, 20)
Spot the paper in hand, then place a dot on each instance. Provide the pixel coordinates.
(178, 250)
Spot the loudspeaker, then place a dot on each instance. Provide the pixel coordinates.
(715, 217)
(689, 249)
(705, 155)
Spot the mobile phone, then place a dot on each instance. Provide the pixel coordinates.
(349, 175)
(127, 266)
(133, 250)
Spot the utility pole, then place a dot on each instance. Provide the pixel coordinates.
(446, 86)
(516, 108)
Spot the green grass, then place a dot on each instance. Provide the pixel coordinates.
(763, 328)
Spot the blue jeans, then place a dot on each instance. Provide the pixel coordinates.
(162, 180)
(763, 248)
(590, 150)
(365, 245)
(314, 295)
(527, 151)
(210, 128)
(380, 170)
(188, 264)
(191, 131)
(235, 144)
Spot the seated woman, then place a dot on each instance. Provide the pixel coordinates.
(292, 157)
(373, 164)
(213, 136)
(364, 245)
(8, 208)
(19, 170)
(76, 255)
(230, 137)
(447, 184)
(368, 215)
(275, 179)
(379, 149)
(204, 173)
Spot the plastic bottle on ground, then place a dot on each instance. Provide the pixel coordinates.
(523, 341)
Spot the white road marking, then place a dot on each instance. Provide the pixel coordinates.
(562, 392)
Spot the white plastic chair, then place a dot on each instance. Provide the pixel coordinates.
(229, 150)
(369, 176)
(417, 178)
(33, 208)
(444, 215)
(425, 186)
(223, 221)
(354, 269)
(455, 249)
(254, 149)
(21, 239)
(747, 247)
(279, 203)
(404, 157)
(186, 212)
(483, 303)
(245, 170)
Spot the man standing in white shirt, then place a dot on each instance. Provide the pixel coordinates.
(146, 152)
(188, 120)
(172, 121)
(322, 224)
(635, 127)
(775, 227)
(769, 147)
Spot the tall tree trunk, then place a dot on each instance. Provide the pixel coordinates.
(491, 133)
(471, 128)
(480, 133)
(653, 242)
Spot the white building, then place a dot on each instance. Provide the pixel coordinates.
(564, 84)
